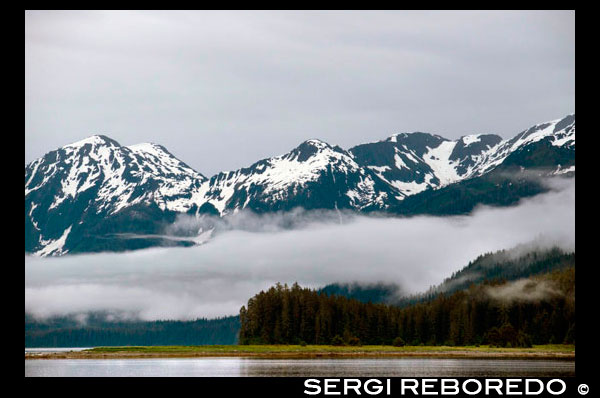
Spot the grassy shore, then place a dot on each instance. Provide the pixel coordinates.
(557, 351)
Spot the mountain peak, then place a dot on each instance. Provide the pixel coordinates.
(414, 135)
(315, 142)
(160, 155)
(98, 185)
(309, 148)
(564, 122)
(148, 147)
(480, 139)
(96, 139)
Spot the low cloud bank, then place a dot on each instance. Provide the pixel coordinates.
(524, 290)
(253, 252)
(298, 218)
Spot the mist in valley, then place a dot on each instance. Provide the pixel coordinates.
(247, 253)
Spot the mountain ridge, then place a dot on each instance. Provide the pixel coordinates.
(96, 184)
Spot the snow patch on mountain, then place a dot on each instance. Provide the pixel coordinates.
(379, 169)
(560, 132)
(470, 139)
(439, 160)
(410, 188)
(54, 247)
(282, 177)
(560, 170)
(398, 161)
(98, 176)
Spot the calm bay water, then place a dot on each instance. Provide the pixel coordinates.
(376, 367)
(54, 349)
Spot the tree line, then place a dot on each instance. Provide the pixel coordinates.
(296, 315)
(519, 262)
(98, 331)
(498, 266)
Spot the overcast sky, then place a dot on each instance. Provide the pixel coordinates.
(223, 89)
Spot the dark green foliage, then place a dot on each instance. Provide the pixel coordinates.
(284, 315)
(570, 336)
(506, 336)
(519, 176)
(494, 189)
(492, 337)
(97, 331)
(538, 155)
(337, 340)
(398, 342)
(503, 265)
(523, 340)
(375, 293)
(120, 231)
(354, 341)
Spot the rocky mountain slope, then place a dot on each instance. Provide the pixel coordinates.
(98, 195)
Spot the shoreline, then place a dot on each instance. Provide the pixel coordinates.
(311, 352)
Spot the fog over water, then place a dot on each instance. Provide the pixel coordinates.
(253, 253)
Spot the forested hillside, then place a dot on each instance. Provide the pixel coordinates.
(462, 310)
(493, 189)
(503, 265)
(538, 310)
(375, 292)
(519, 262)
(98, 331)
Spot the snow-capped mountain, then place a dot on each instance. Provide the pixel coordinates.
(98, 195)
(313, 175)
(557, 137)
(413, 162)
(96, 178)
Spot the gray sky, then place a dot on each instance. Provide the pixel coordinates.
(223, 89)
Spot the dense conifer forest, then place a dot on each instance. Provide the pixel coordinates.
(375, 292)
(511, 264)
(516, 263)
(539, 310)
(98, 331)
(458, 311)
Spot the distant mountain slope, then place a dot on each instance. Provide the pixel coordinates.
(101, 330)
(97, 195)
(555, 137)
(314, 175)
(506, 173)
(503, 265)
(412, 163)
(72, 189)
(519, 262)
(536, 310)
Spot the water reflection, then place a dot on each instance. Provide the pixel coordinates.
(376, 367)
